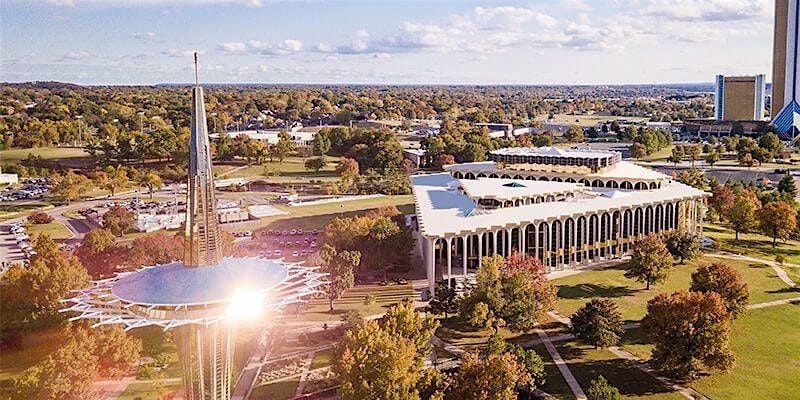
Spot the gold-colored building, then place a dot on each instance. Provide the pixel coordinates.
(779, 57)
(739, 98)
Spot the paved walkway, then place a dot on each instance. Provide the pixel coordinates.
(689, 393)
(303, 376)
(562, 366)
(775, 266)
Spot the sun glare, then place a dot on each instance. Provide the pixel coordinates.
(246, 305)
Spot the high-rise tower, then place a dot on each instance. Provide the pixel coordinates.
(785, 109)
(202, 224)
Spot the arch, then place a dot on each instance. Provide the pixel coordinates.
(549, 198)
(592, 241)
(581, 239)
(506, 176)
(648, 220)
(543, 178)
(518, 202)
(570, 180)
(557, 179)
(518, 177)
(668, 219)
(530, 178)
(597, 183)
(458, 175)
(609, 183)
(653, 186)
(659, 217)
(555, 242)
(568, 241)
(481, 175)
(640, 186)
(614, 184)
(626, 185)
(637, 221)
(493, 175)
(469, 175)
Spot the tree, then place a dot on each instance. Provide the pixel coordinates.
(787, 187)
(726, 282)
(119, 220)
(638, 150)
(650, 261)
(162, 248)
(694, 153)
(315, 164)
(677, 155)
(370, 363)
(100, 254)
(69, 186)
(777, 220)
(721, 199)
(39, 218)
(598, 323)
(533, 364)
(117, 351)
(689, 330)
(600, 389)
(574, 134)
(117, 177)
(151, 181)
(493, 377)
(401, 320)
(339, 265)
(444, 159)
(742, 213)
(747, 160)
(682, 245)
(444, 300)
(712, 157)
(347, 168)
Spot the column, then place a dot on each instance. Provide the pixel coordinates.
(700, 225)
(536, 241)
(480, 249)
(464, 259)
(586, 239)
(523, 240)
(430, 269)
(508, 242)
(574, 242)
(494, 242)
(449, 261)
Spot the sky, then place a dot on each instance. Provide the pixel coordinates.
(122, 42)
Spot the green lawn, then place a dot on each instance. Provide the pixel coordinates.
(752, 244)
(660, 155)
(353, 300)
(275, 391)
(586, 363)
(631, 297)
(55, 229)
(35, 347)
(14, 156)
(290, 167)
(148, 390)
(321, 359)
(586, 120)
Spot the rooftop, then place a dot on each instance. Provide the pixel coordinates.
(553, 152)
(442, 211)
(620, 170)
(511, 189)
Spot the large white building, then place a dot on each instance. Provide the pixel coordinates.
(565, 207)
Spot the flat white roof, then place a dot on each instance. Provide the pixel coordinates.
(620, 170)
(444, 211)
(512, 189)
(553, 152)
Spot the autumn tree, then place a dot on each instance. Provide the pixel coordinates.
(600, 389)
(638, 150)
(339, 265)
(69, 186)
(742, 213)
(401, 320)
(721, 199)
(598, 323)
(574, 134)
(777, 220)
(99, 253)
(650, 261)
(151, 181)
(119, 220)
(747, 160)
(347, 168)
(683, 245)
(444, 301)
(159, 248)
(689, 330)
(444, 159)
(727, 282)
(493, 377)
(694, 152)
(116, 177)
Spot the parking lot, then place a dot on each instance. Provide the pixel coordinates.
(33, 189)
(291, 244)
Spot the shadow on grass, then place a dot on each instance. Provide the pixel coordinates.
(589, 290)
(785, 290)
(620, 373)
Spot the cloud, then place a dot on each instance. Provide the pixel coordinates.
(75, 55)
(708, 10)
(144, 35)
(284, 47)
(180, 53)
(146, 3)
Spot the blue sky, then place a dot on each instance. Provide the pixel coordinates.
(405, 42)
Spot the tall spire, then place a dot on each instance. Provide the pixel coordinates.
(203, 245)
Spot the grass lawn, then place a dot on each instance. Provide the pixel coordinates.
(631, 297)
(55, 229)
(13, 156)
(586, 363)
(317, 216)
(10, 211)
(767, 348)
(752, 244)
(660, 155)
(35, 347)
(148, 390)
(353, 300)
(321, 359)
(275, 391)
(586, 120)
(555, 384)
(290, 167)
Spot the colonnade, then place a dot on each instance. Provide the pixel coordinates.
(615, 183)
(561, 243)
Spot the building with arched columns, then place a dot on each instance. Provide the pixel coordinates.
(565, 207)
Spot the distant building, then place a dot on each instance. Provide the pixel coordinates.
(8, 179)
(301, 138)
(785, 109)
(417, 156)
(739, 98)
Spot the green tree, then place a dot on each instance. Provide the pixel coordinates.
(683, 245)
(689, 330)
(401, 320)
(787, 187)
(726, 282)
(747, 160)
(712, 157)
(677, 155)
(69, 186)
(117, 178)
(694, 152)
(339, 265)
(638, 150)
(493, 377)
(574, 134)
(777, 219)
(600, 389)
(322, 142)
(315, 164)
(598, 323)
(444, 301)
(742, 213)
(650, 261)
(370, 363)
(151, 181)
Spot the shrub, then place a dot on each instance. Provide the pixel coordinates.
(40, 218)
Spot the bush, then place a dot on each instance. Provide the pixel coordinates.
(600, 389)
(370, 299)
(40, 218)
